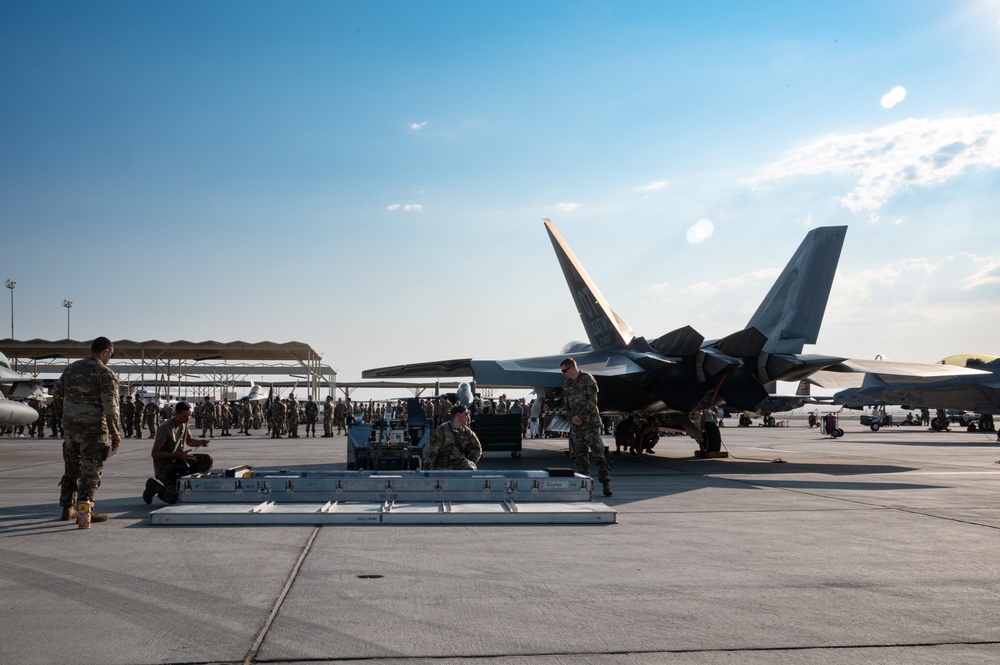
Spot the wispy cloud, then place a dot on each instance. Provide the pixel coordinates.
(405, 207)
(417, 126)
(917, 309)
(653, 186)
(568, 207)
(911, 153)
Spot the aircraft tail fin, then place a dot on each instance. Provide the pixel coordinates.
(605, 329)
(792, 311)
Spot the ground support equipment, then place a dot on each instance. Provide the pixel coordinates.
(556, 496)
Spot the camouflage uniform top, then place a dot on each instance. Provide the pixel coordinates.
(449, 446)
(173, 437)
(88, 396)
(580, 396)
(277, 409)
(327, 410)
(312, 409)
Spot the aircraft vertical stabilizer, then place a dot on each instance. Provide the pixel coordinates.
(791, 313)
(605, 329)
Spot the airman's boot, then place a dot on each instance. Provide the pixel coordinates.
(68, 514)
(152, 488)
(606, 484)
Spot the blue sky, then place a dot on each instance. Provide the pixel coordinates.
(371, 177)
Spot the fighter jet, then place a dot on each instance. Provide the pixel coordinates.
(256, 394)
(14, 413)
(678, 372)
(966, 382)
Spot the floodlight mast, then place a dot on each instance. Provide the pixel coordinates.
(67, 304)
(10, 285)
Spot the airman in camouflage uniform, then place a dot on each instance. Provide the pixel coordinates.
(453, 445)
(312, 413)
(137, 418)
(225, 418)
(170, 461)
(328, 417)
(150, 416)
(340, 415)
(37, 425)
(580, 398)
(277, 418)
(243, 415)
(55, 415)
(208, 418)
(292, 416)
(88, 395)
(128, 416)
(256, 415)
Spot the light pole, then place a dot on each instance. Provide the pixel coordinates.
(10, 285)
(67, 304)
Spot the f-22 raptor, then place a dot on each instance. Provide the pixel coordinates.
(679, 372)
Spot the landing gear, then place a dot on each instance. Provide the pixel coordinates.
(712, 442)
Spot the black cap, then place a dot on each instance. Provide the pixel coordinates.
(458, 409)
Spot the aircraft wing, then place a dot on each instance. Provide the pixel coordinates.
(544, 372)
(428, 370)
(535, 372)
(10, 376)
(851, 372)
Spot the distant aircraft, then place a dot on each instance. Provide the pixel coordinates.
(678, 372)
(781, 403)
(256, 394)
(14, 413)
(966, 382)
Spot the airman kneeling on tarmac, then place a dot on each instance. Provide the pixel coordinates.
(454, 445)
(170, 461)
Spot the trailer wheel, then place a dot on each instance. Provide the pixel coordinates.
(837, 432)
(874, 426)
(516, 454)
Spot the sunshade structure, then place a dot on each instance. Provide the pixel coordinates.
(181, 363)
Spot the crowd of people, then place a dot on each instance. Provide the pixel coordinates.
(91, 416)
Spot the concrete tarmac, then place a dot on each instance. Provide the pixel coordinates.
(873, 548)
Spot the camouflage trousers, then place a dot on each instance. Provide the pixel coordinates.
(168, 472)
(83, 456)
(327, 427)
(585, 443)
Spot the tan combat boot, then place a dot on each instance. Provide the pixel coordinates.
(68, 514)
